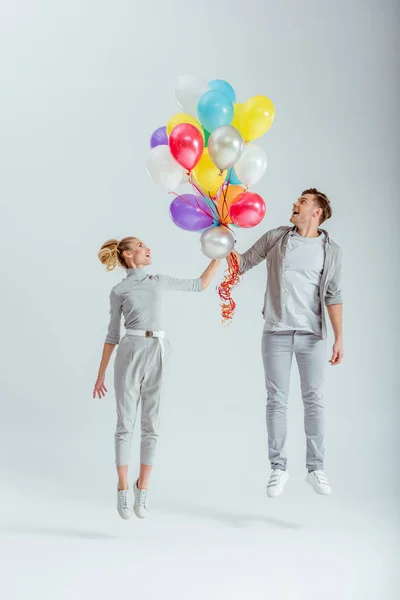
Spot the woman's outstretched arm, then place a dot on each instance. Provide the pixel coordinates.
(209, 273)
(189, 285)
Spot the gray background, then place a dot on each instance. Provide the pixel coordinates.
(82, 86)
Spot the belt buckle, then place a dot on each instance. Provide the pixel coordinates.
(149, 334)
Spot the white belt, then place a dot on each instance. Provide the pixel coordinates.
(143, 333)
(160, 335)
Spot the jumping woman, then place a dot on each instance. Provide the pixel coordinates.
(139, 363)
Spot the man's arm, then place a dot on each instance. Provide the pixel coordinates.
(254, 255)
(335, 312)
(334, 305)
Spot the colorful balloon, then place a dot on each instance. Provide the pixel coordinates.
(186, 144)
(252, 165)
(224, 87)
(188, 91)
(225, 147)
(237, 114)
(248, 210)
(215, 110)
(225, 200)
(183, 118)
(159, 137)
(163, 168)
(191, 212)
(207, 176)
(257, 116)
(217, 242)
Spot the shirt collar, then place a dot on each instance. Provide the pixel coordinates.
(137, 274)
(294, 229)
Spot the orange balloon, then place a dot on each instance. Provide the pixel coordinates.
(225, 201)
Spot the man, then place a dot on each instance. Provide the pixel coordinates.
(304, 270)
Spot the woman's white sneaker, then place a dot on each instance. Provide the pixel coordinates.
(276, 483)
(140, 507)
(319, 481)
(123, 505)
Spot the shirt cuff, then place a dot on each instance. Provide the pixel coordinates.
(338, 299)
(198, 287)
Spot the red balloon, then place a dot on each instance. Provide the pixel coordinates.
(247, 210)
(186, 144)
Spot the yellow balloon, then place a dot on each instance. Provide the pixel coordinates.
(207, 176)
(237, 114)
(257, 117)
(183, 118)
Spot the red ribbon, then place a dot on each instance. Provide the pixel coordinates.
(231, 280)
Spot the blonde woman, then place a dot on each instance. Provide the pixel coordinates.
(139, 363)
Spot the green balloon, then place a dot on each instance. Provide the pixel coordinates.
(206, 137)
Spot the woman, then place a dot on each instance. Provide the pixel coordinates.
(138, 368)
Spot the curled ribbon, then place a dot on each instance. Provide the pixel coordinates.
(231, 280)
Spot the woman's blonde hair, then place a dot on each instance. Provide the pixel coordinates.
(110, 254)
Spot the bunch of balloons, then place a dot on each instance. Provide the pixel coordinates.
(210, 145)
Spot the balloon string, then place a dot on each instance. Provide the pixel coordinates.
(231, 280)
(196, 187)
(220, 189)
(227, 183)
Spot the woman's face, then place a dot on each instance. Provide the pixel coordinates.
(139, 255)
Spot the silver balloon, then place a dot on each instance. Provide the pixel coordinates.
(217, 242)
(225, 146)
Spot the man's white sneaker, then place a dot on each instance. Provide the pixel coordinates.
(276, 483)
(123, 505)
(140, 507)
(319, 481)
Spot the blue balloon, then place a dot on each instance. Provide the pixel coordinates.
(232, 177)
(215, 110)
(223, 86)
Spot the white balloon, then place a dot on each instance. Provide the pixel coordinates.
(251, 165)
(163, 168)
(189, 89)
(185, 177)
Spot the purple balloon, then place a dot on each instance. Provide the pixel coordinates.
(191, 212)
(159, 137)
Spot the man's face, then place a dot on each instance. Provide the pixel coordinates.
(305, 212)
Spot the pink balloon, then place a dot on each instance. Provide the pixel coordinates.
(186, 144)
(247, 210)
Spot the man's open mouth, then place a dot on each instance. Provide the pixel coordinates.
(294, 213)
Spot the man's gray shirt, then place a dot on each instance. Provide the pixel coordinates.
(272, 248)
